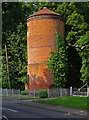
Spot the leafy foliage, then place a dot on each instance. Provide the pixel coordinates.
(83, 42)
(74, 66)
(14, 35)
(75, 26)
(17, 52)
(24, 92)
(43, 93)
(75, 20)
(58, 62)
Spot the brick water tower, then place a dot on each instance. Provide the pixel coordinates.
(41, 39)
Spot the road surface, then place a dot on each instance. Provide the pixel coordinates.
(11, 109)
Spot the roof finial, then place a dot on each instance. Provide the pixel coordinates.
(45, 6)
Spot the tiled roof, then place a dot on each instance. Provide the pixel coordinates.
(45, 10)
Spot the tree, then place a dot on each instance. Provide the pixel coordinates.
(14, 20)
(14, 35)
(83, 8)
(74, 66)
(75, 26)
(58, 62)
(83, 48)
(17, 57)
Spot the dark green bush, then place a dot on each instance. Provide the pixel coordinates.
(24, 92)
(43, 93)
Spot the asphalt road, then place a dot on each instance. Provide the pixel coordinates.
(11, 109)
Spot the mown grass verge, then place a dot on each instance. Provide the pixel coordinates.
(73, 102)
(22, 97)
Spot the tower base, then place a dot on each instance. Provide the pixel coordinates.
(40, 77)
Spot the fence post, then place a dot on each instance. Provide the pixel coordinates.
(34, 93)
(1, 92)
(71, 91)
(12, 92)
(60, 92)
(7, 92)
(48, 92)
(19, 94)
(87, 91)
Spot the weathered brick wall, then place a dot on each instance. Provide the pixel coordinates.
(41, 39)
(40, 76)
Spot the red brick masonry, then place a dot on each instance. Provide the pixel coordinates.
(41, 39)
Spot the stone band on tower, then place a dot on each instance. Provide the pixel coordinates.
(41, 39)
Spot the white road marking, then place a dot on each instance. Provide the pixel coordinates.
(13, 110)
(5, 117)
(10, 110)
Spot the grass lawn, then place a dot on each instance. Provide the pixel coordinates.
(73, 102)
(22, 97)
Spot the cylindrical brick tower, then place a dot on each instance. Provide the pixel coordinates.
(41, 39)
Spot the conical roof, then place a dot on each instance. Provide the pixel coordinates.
(45, 11)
